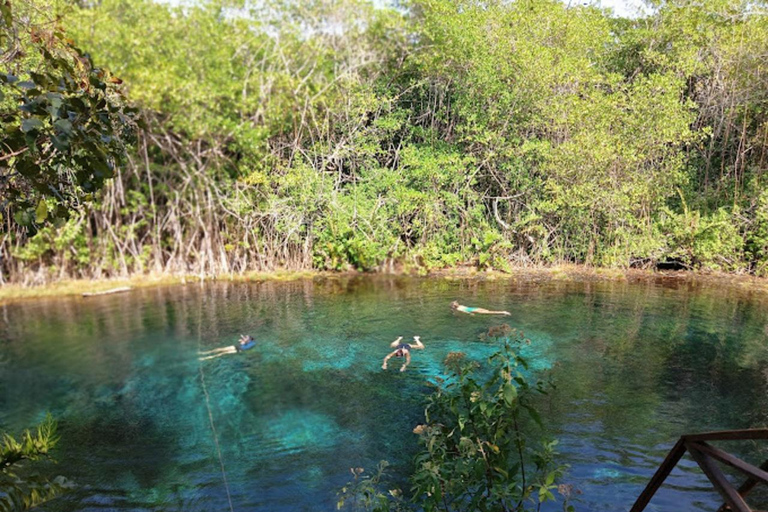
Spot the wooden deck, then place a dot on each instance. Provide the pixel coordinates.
(708, 458)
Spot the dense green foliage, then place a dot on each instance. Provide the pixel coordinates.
(22, 486)
(479, 448)
(333, 134)
(63, 120)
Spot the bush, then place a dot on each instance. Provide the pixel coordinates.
(709, 242)
(479, 451)
(21, 486)
(482, 446)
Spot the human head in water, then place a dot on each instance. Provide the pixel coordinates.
(402, 350)
(455, 304)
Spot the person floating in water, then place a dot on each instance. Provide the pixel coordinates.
(480, 311)
(244, 343)
(402, 350)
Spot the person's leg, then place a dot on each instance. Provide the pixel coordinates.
(218, 350)
(484, 311)
(219, 353)
(406, 362)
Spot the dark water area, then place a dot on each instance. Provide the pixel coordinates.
(636, 365)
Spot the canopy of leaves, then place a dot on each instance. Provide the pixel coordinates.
(63, 120)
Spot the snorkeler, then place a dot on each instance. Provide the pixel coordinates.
(481, 311)
(403, 350)
(244, 343)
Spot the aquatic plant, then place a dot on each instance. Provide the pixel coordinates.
(21, 485)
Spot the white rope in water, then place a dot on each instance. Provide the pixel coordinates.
(213, 429)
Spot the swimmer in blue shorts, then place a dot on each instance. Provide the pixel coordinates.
(403, 350)
(244, 343)
(479, 311)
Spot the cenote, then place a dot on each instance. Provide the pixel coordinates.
(636, 365)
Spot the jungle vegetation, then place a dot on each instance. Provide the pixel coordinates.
(344, 134)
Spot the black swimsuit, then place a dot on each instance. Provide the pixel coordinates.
(402, 349)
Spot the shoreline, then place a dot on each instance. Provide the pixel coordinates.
(75, 287)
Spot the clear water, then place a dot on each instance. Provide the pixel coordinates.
(636, 366)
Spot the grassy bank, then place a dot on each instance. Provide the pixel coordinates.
(14, 292)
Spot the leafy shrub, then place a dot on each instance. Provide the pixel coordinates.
(710, 242)
(480, 444)
(21, 486)
(757, 236)
(363, 494)
(479, 451)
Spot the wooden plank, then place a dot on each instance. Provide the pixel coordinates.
(735, 462)
(746, 487)
(716, 476)
(670, 461)
(108, 292)
(729, 435)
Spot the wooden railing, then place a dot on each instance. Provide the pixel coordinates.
(708, 457)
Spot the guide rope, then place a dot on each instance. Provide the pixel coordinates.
(210, 418)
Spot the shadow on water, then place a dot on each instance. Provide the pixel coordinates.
(637, 364)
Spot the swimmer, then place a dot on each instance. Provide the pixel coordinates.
(480, 311)
(403, 350)
(244, 343)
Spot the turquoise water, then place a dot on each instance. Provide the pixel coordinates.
(636, 366)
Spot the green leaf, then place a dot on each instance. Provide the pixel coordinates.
(510, 393)
(64, 125)
(60, 143)
(534, 414)
(55, 99)
(32, 123)
(41, 213)
(5, 10)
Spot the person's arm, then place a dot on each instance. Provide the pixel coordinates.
(419, 345)
(389, 356)
(396, 342)
(407, 361)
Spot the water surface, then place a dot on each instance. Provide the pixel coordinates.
(636, 366)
